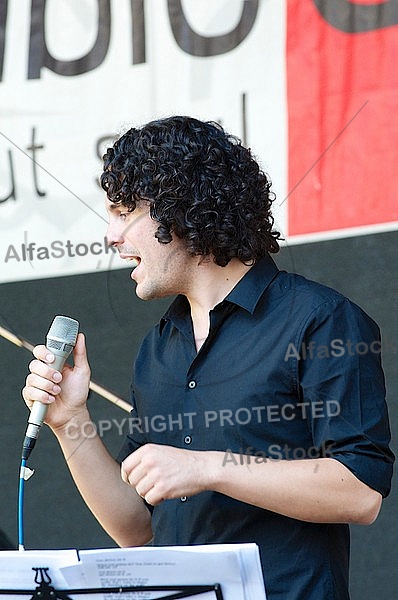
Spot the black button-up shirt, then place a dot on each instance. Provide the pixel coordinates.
(290, 370)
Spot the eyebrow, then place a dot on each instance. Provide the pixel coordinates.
(112, 206)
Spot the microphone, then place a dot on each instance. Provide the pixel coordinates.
(60, 341)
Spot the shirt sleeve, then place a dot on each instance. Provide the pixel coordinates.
(136, 435)
(340, 371)
(135, 438)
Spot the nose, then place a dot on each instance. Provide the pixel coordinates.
(114, 234)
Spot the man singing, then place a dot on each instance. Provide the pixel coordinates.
(263, 442)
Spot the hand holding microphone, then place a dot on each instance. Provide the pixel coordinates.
(61, 340)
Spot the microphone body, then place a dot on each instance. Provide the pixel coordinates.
(61, 339)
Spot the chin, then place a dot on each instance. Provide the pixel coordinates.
(147, 294)
(152, 292)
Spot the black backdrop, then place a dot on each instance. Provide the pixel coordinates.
(114, 320)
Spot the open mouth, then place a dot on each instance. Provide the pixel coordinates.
(133, 260)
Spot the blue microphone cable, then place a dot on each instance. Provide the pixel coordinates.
(21, 492)
(24, 474)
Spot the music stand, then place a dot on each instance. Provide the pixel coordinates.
(45, 591)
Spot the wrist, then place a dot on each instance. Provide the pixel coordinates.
(79, 426)
(212, 469)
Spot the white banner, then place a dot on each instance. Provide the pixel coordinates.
(74, 74)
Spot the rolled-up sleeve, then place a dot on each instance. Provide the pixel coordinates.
(341, 371)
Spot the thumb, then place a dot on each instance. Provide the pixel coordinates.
(80, 353)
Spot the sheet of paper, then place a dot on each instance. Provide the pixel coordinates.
(251, 571)
(150, 566)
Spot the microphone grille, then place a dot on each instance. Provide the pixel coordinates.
(64, 330)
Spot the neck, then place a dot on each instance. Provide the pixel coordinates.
(210, 284)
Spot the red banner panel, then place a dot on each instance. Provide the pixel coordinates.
(342, 85)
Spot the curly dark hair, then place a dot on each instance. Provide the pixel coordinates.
(201, 183)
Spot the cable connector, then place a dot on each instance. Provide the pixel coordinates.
(25, 473)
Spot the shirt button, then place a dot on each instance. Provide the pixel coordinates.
(192, 385)
(183, 498)
(187, 439)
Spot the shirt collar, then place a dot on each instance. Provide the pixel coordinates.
(251, 287)
(245, 294)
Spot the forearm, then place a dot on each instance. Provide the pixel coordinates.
(316, 490)
(117, 506)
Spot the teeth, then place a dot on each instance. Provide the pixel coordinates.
(134, 260)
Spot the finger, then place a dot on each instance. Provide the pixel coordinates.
(136, 475)
(35, 381)
(131, 462)
(80, 353)
(43, 354)
(43, 370)
(130, 474)
(32, 394)
(123, 473)
(144, 487)
(154, 496)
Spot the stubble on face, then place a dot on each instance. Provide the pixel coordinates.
(167, 273)
(160, 270)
